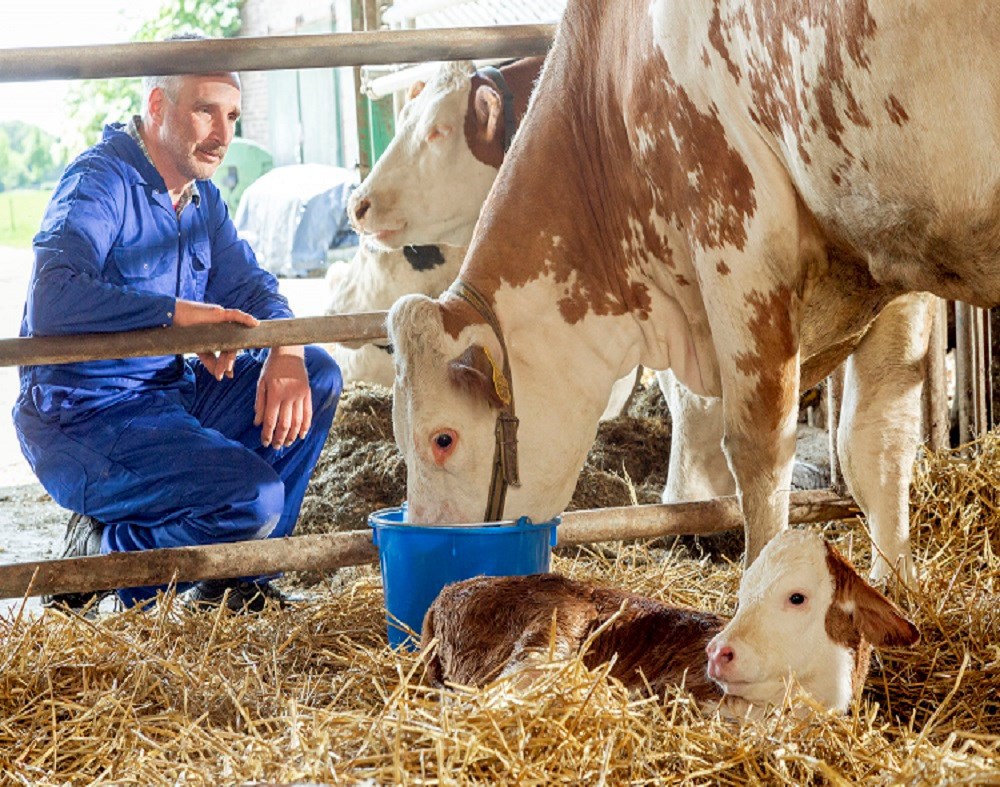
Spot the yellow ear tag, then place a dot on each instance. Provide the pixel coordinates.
(499, 381)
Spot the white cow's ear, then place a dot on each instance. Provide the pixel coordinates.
(489, 111)
(475, 372)
(875, 617)
(415, 90)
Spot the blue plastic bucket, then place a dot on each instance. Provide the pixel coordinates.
(418, 560)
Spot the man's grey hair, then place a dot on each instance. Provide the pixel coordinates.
(170, 83)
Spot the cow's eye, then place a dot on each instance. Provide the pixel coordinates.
(443, 440)
(797, 599)
(443, 444)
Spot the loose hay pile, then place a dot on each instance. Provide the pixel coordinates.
(313, 693)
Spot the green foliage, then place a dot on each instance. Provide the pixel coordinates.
(29, 156)
(96, 102)
(21, 214)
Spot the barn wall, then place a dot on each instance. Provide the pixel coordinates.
(294, 113)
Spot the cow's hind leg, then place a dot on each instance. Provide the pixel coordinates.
(698, 467)
(880, 427)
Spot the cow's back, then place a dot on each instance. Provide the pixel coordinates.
(883, 114)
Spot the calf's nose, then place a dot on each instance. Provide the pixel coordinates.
(719, 657)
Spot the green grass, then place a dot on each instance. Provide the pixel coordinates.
(20, 214)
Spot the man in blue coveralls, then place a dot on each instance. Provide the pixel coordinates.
(166, 452)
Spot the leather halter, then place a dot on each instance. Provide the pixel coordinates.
(505, 471)
(509, 121)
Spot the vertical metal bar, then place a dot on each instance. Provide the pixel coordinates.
(360, 100)
(935, 395)
(987, 345)
(834, 398)
(981, 372)
(965, 371)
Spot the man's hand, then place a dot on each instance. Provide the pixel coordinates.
(283, 408)
(186, 313)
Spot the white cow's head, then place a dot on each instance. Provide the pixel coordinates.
(804, 615)
(445, 405)
(429, 186)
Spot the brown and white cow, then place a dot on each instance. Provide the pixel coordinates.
(805, 618)
(736, 190)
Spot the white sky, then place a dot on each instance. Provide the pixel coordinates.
(45, 23)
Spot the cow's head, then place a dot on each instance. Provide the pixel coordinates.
(805, 615)
(445, 406)
(429, 186)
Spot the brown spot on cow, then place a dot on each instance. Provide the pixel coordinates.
(682, 280)
(896, 112)
(635, 160)
(776, 343)
(717, 37)
(722, 268)
(782, 98)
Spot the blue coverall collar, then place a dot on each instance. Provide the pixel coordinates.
(118, 136)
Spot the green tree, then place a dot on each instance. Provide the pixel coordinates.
(94, 103)
(29, 155)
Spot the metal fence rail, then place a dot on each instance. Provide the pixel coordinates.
(39, 350)
(266, 53)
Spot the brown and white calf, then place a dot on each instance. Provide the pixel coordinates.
(805, 618)
(730, 189)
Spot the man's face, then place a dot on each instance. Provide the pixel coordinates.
(197, 124)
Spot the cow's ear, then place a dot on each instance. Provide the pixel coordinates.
(475, 371)
(415, 89)
(489, 111)
(876, 618)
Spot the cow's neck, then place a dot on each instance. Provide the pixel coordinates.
(583, 223)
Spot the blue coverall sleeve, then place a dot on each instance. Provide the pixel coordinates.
(236, 280)
(68, 294)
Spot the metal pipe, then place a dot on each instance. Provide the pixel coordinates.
(264, 53)
(39, 350)
(935, 393)
(334, 550)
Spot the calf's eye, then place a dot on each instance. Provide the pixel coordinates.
(797, 599)
(443, 440)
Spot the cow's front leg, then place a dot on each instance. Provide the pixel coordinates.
(880, 427)
(755, 326)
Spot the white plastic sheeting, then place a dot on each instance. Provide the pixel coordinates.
(292, 216)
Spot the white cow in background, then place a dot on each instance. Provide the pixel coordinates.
(425, 192)
(372, 281)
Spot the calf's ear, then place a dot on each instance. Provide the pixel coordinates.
(476, 372)
(879, 620)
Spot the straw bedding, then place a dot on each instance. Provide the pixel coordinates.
(312, 694)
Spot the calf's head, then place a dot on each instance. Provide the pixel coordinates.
(429, 186)
(805, 615)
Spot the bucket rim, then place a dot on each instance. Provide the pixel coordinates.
(522, 523)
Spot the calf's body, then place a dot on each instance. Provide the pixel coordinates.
(805, 618)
